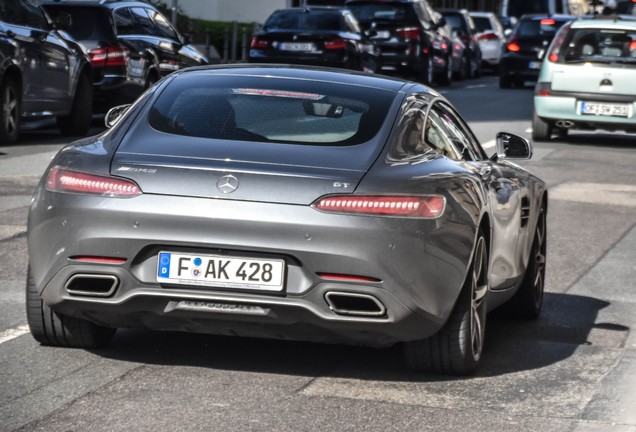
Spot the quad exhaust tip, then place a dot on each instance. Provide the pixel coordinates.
(93, 285)
(355, 304)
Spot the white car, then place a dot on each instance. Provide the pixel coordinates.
(490, 35)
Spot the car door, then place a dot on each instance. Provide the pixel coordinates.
(26, 45)
(56, 61)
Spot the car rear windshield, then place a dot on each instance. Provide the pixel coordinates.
(270, 110)
(538, 28)
(87, 23)
(482, 24)
(600, 45)
(299, 20)
(383, 12)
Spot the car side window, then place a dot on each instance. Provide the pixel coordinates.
(24, 13)
(124, 22)
(164, 27)
(143, 23)
(421, 133)
(460, 138)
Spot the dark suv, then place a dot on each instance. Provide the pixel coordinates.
(43, 73)
(409, 35)
(524, 50)
(131, 45)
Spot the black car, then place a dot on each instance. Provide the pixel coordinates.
(524, 50)
(410, 37)
(43, 72)
(131, 45)
(463, 27)
(322, 36)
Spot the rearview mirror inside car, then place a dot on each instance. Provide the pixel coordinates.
(323, 109)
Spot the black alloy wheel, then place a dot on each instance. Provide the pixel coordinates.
(9, 111)
(457, 348)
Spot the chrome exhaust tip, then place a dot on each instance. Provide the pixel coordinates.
(355, 304)
(565, 123)
(93, 285)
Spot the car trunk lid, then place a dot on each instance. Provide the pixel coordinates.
(240, 170)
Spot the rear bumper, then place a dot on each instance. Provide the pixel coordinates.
(556, 108)
(519, 66)
(417, 277)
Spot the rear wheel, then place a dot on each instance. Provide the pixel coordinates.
(78, 121)
(50, 328)
(10, 111)
(457, 347)
(446, 77)
(541, 130)
(504, 82)
(527, 301)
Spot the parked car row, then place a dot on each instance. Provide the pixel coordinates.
(404, 37)
(70, 59)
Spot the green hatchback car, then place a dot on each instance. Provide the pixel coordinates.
(587, 79)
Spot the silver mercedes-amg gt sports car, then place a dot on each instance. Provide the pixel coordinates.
(288, 202)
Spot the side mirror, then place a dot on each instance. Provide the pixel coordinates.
(115, 114)
(510, 146)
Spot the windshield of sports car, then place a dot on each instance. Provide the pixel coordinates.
(270, 110)
(601, 45)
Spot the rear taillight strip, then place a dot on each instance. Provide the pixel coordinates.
(429, 206)
(63, 180)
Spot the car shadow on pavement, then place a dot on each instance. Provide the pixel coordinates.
(600, 140)
(512, 346)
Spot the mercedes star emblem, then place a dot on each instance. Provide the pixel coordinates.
(227, 184)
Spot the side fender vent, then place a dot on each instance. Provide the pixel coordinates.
(525, 211)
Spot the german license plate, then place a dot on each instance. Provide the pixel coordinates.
(604, 109)
(297, 46)
(534, 65)
(221, 271)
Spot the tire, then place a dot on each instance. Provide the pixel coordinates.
(457, 348)
(9, 111)
(446, 77)
(504, 82)
(429, 71)
(50, 328)
(541, 130)
(78, 121)
(528, 300)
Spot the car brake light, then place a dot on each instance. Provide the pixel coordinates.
(337, 43)
(428, 206)
(543, 89)
(410, 33)
(513, 46)
(488, 36)
(548, 21)
(347, 278)
(109, 56)
(99, 259)
(557, 43)
(259, 43)
(63, 180)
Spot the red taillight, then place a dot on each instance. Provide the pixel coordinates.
(557, 43)
(548, 21)
(488, 36)
(429, 206)
(410, 33)
(543, 89)
(109, 56)
(513, 46)
(334, 44)
(632, 45)
(259, 43)
(62, 180)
